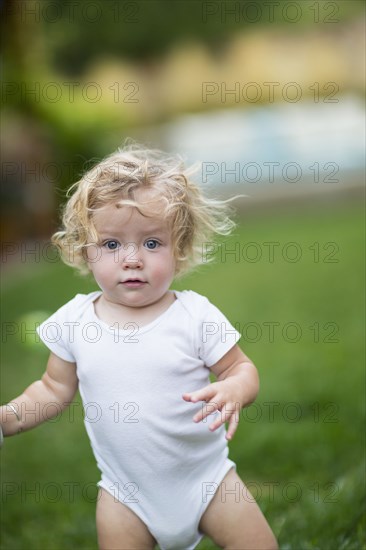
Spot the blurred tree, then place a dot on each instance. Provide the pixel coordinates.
(138, 30)
(55, 42)
(142, 30)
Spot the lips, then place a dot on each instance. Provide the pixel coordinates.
(133, 283)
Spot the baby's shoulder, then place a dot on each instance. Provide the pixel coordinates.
(194, 303)
(76, 307)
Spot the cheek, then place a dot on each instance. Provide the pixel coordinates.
(166, 267)
(92, 255)
(101, 264)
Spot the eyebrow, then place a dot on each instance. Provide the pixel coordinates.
(150, 230)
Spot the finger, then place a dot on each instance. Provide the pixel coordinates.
(216, 424)
(186, 396)
(206, 410)
(233, 424)
(227, 411)
(218, 421)
(205, 394)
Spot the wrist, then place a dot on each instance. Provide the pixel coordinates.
(246, 379)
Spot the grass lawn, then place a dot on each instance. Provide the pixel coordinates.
(298, 303)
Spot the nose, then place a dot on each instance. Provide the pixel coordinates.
(130, 263)
(130, 258)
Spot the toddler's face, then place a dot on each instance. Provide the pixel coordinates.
(133, 262)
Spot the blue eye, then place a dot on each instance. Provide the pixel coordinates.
(151, 244)
(111, 245)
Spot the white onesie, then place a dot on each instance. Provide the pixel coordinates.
(152, 456)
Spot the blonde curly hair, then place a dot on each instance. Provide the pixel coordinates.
(194, 219)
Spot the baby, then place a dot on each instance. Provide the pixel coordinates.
(141, 354)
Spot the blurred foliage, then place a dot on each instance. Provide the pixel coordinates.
(149, 28)
(143, 30)
(149, 60)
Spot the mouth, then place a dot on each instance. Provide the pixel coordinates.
(133, 283)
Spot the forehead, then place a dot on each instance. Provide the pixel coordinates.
(116, 217)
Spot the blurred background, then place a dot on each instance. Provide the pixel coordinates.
(268, 97)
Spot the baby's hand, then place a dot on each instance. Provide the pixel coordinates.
(225, 396)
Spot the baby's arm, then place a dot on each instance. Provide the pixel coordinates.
(237, 386)
(58, 386)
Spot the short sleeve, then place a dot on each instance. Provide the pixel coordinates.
(216, 335)
(55, 332)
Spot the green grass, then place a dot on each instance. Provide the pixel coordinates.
(300, 447)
